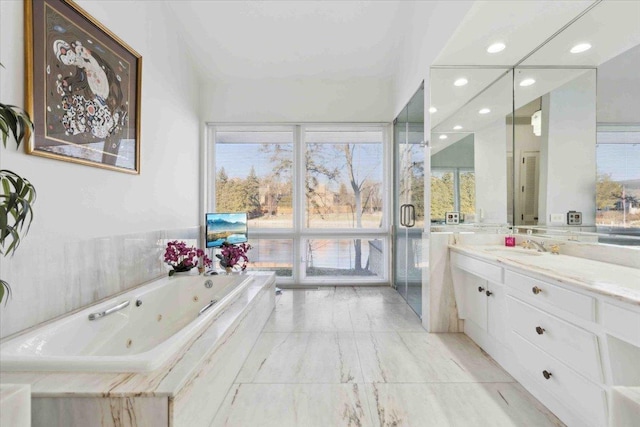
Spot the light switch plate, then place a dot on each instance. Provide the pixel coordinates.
(557, 219)
(452, 217)
(574, 218)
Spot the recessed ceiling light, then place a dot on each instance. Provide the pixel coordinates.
(457, 127)
(484, 111)
(527, 82)
(460, 82)
(579, 48)
(443, 137)
(496, 47)
(433, 109)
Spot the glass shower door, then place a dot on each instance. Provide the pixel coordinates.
(409, 201)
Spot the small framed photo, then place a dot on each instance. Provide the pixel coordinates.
(83, 87)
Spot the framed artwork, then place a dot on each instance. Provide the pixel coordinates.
(83, 87)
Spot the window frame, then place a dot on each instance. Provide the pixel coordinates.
(299, 233)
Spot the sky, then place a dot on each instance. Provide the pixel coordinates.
(621, 161)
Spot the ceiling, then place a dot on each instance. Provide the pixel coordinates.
(289, 39)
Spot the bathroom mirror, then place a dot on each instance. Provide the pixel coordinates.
(469, 143)
(581, 143)
(553, 150)
(570, 165)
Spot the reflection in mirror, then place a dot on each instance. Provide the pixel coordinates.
(605, 175)
(469, 146)
(554, 147)
(618, 147)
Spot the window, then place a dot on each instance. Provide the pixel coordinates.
(316, 196)
(452, 189)
(618, 181)
(254, 171)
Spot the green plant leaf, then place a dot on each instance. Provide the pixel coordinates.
(14, 121)
(5, 289)
(16, 212)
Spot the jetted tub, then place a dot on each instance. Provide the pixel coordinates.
(140, 336)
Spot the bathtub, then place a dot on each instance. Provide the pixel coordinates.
(141, 330)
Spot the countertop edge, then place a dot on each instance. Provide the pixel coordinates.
(619, 293)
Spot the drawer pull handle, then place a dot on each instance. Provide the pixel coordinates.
(540, 330)
(480, 289)
(489, 293)
(546, 374)
(536, 290)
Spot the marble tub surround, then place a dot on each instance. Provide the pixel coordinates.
(191, 385)
(15, 405)
(612, 280)
(370, 377)
(49, 282)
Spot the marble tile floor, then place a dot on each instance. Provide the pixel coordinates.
(350, 356)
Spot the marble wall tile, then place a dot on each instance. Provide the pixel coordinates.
(113, 412)
(309, 405)
(628, 256)
(442, 314)
(303, 357)
(465, 404)
(199, 398)
(15, 405)
(50, 278)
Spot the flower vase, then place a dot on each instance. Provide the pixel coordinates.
(180, 271)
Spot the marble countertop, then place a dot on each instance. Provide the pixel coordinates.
(616, 281)
(165, 381)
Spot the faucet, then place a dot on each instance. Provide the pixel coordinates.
(535, 244)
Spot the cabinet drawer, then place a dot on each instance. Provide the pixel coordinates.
(479, 268)
(581, 305)
(584, 398)
(569, 343)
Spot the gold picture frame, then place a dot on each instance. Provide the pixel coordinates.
(83, 88)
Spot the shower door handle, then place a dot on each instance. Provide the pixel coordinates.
(407, 215)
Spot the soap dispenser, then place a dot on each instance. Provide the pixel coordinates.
(510, 239)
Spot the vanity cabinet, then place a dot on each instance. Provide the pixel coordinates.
(483, 294)
(568, 346)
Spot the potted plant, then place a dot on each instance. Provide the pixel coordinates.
(182, 258)
(232, 255)
(17, 194)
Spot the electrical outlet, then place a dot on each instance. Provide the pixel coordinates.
(574, 218)
(557, 219)
(452, 217)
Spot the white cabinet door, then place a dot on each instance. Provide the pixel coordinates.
(476, 302)
(496, 312)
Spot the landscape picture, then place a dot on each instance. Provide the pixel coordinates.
(226, 227)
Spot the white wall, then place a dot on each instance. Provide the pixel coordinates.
(618, 88)
(98, 232)
(570, 146)
(429, 25)
(81, 202)
(297, 100)
(490, 153)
